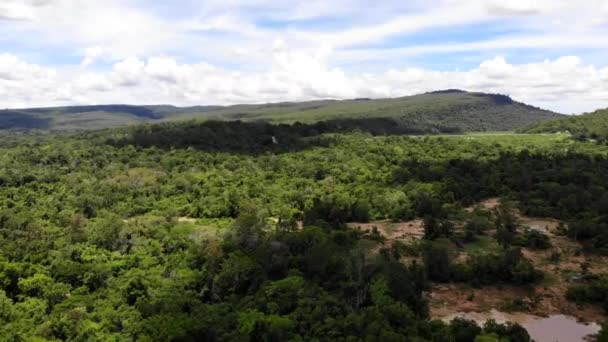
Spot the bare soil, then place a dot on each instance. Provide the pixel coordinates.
(489, 204)
(186, 220)
(407, 231)
(544, 300)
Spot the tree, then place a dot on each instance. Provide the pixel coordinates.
(505, 217)
(434, 229)
(537, 240)
(504, 237)
(6, 308)
(464, 330)
(475, 226)
(437, 261)
(104, 231)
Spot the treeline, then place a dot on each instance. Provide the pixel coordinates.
(258, 137)
(587, 126)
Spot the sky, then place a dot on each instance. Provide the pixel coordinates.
(548, 53)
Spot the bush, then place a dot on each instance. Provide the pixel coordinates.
(536, 240)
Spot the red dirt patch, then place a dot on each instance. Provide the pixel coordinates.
(407, 231)
(449, 299)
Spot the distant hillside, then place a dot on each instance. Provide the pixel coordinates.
(587, 126)
(441, 111)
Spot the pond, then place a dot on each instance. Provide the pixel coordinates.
(554, 328)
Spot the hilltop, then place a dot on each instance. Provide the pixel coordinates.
(446, 111)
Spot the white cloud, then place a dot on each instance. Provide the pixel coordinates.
(244, 56)
(14, 69)
(525, 42)
(122, 29)
(565, 84)
(20, 9)
(523, 7)
(111, 26)
(128, 72)
(91, 55)
(601, 17)
(497, 68)
(407, 24)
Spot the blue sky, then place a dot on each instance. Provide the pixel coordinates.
(550, 53)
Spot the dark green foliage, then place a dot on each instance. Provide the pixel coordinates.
(434, 229)
(254, 137)
(592, 232)
(464, 330)
(536, 240)
(505, 237)
(603, 334)
(593, 289)
(478, 224)
(513, 331)
(582, 127)
(12, 119)
(437, 261)
(460, 329)
(505, 217)
(507, 266)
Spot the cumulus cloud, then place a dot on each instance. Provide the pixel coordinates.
(523, 7)
(20, 9)
(91, 55)
(14, 69)
(564, 84)
(217, 51)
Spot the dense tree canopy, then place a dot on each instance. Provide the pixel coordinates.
(127, 235)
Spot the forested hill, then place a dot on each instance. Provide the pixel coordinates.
(591, 125)
(442, 111)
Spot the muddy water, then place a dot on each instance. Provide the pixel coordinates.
(555, 328)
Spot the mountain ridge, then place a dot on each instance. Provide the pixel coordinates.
(454, 109)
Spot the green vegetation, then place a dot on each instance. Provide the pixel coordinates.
(462, 330)
(586, 126)
(603, 335)
(482, 244)
(593, 289)
(439, 112)
(216, 231)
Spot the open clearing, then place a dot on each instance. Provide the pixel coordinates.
(406, 231)
(546, 299)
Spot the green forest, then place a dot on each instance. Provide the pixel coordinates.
(242, 231)
(592, 126)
